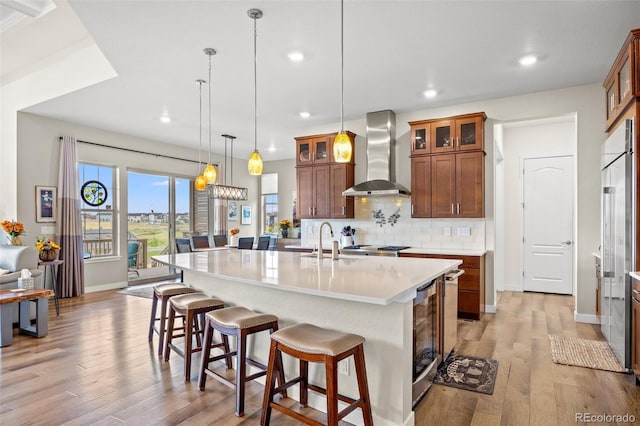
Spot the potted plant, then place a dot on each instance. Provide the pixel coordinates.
(285, 224)
(47, 249)
(232, 233)
(13, 230)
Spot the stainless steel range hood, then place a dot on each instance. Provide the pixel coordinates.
(381, 129)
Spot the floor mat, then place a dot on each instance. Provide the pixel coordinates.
(468, 373)
(584, 353)
(145, 291)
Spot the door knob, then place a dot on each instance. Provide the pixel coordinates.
(568, 242)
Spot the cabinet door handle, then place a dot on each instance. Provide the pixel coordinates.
(458, 208)
(310, 211)
(451, 208)
(344, 210)
(458, 141)
(411, 209)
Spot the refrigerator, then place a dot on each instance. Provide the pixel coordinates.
(618, 242)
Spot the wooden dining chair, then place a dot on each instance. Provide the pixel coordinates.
(245, 243)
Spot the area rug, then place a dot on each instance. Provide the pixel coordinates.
(145, 291)
(468, 373)
(584, 353)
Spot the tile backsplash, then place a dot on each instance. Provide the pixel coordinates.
(425, 233)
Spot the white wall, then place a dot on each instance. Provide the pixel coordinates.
(37, 164)
(537, 138)
(286, 184)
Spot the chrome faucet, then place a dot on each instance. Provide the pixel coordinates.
(320, 237)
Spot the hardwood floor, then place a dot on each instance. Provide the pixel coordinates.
(95, 367)
(530, 388)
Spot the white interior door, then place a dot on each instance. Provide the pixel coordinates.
(548, 225)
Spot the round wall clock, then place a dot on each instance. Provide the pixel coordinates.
(93, 193)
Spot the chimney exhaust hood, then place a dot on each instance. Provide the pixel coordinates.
(381, 129)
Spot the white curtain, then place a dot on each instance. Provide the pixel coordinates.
(71, 272)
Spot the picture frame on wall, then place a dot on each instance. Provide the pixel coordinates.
(46, 199)
(232, 211)
(246, 215)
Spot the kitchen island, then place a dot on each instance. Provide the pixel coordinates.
(369, 296)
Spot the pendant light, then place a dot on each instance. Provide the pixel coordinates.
(255, 160)
(342, 149)
(209, 172)
(224, 191)
(200, 182)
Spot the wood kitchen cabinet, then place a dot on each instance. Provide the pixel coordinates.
(622, 83)
(420, 191)
(471, 284)
(635, 328)
(457, 183)
(320, 181)
(447, 177)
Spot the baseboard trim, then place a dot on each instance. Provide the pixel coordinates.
(586, 318)
(490, 309)
(104, 287)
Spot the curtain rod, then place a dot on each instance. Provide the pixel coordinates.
(137, 151)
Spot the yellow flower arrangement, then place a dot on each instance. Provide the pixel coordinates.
(46, 244)
(234, 231)
(285, 224)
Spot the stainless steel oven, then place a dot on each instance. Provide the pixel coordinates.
(426, 356)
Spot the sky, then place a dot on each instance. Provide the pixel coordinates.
(151, 192)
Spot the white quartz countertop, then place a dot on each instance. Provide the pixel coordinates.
(368, 279)
(635, 275)
(445, 251)
(597, 255)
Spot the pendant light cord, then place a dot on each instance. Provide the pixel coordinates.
(255, 86)
(225, 160)
(200, 130)
(342, 66)
(209, 109)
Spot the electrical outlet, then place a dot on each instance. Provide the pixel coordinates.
(463, 231)
(343, 367)
(447, 231)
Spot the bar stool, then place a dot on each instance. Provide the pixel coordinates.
(240, 322)
(162, 293)
(309, 343)
(192, 306)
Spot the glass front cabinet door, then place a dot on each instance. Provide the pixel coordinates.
(420, 139)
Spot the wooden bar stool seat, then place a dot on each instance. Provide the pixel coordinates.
(192, 306)
(162, 293)
(239, 322)
(309, 343)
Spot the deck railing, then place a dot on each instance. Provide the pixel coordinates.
(99, 248)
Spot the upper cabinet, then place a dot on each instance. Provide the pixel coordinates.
(317, 149)
(459, 133)
(447, 170)
(623, 81)
(320, 180)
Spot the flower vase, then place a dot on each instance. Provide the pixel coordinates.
(285, 232)
(14, 240)
(48, 255)
(233, 241)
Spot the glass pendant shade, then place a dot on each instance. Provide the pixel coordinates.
(210, 174)
(200, 183)
(255, 163)
(342, 149)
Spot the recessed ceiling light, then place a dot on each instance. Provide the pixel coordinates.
(296, 56)
(305, 114)
(528, 60)
(165, 119)
(430, 93)
(272, 148)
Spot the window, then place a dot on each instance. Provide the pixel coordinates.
(97, 205)
(270, 209)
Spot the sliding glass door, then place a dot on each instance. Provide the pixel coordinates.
(158, 212)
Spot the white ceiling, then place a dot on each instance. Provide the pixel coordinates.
(394, 50)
